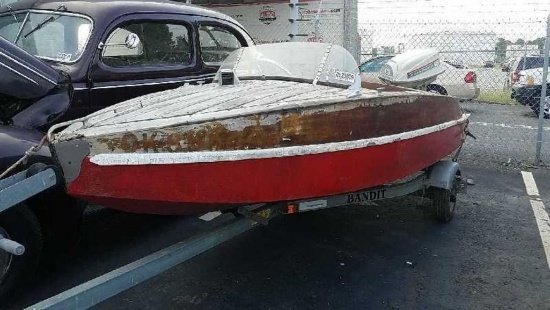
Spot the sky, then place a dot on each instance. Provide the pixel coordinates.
(511, 19)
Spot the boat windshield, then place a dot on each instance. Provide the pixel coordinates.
(302, 61)
(51, 35)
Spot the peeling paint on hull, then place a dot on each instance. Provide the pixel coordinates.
(281, 129)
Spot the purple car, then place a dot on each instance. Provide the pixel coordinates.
(61, 60)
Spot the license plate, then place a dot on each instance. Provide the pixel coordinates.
(312, 205)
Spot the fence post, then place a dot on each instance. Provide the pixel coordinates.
(294, 16)
(543, 92)
(316, 23)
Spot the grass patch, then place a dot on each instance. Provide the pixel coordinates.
(497, 96)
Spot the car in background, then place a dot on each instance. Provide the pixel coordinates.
(528, 88)
(62, 60)
(455, 64)
(489, 64)
(456, 82)
(523, 63)
(117, 50)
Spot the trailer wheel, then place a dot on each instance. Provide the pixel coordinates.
(19, 224)
(444, 203)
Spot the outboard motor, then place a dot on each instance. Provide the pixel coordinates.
(413, 69)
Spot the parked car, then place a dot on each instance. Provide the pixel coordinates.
(456, 82)
(523, 63)
(65, 59)
(527, 90)
(489, 64)
(455, 64)
(116, 50)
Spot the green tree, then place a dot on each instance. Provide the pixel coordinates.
(539, 42)
(500, 49)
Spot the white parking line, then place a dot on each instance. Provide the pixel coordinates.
(509, 126)
(541, 216)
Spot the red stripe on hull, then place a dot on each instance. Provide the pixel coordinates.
(203, 187)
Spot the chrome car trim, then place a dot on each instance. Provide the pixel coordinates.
(196, 79)
(28, 68)
(18, 73)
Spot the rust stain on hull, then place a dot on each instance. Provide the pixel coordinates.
(289, 128)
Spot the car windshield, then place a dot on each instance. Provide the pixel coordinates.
(308, 62)
(374, 65)
(51, 35)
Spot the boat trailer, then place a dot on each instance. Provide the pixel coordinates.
(440, 182)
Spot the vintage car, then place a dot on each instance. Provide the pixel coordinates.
(116, 50)
(65, 59)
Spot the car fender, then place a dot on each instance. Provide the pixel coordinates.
(15, 141)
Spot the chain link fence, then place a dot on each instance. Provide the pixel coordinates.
(493, 53)
(482, 64)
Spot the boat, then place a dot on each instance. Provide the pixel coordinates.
(416, 68)
(281, 122)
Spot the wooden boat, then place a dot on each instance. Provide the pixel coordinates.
(272, 128)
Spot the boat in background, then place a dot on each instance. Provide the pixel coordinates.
(416, 68)
(282, 121)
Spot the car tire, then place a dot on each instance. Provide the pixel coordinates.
(436, 89)
(535, 108)
(21, 225)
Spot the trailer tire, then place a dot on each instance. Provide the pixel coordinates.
(444, 203)
(21, 225)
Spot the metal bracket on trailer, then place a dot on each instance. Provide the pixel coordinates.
(260, 213)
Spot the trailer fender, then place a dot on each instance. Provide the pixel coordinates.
(443, 174)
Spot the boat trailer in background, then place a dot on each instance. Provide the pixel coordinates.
(440, 182)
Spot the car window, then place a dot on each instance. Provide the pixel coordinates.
(531, 63)
(50, 35)
(216, 44)
(147, 44)
(373, 65)
(9, 25)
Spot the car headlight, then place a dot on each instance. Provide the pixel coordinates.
(530, 80)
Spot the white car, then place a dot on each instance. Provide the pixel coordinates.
(455, 82)
(528, 87)
(520, 64)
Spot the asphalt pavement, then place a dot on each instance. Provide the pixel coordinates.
(391, 256)
(506, 137)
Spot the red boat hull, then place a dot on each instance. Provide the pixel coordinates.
(201, 187)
